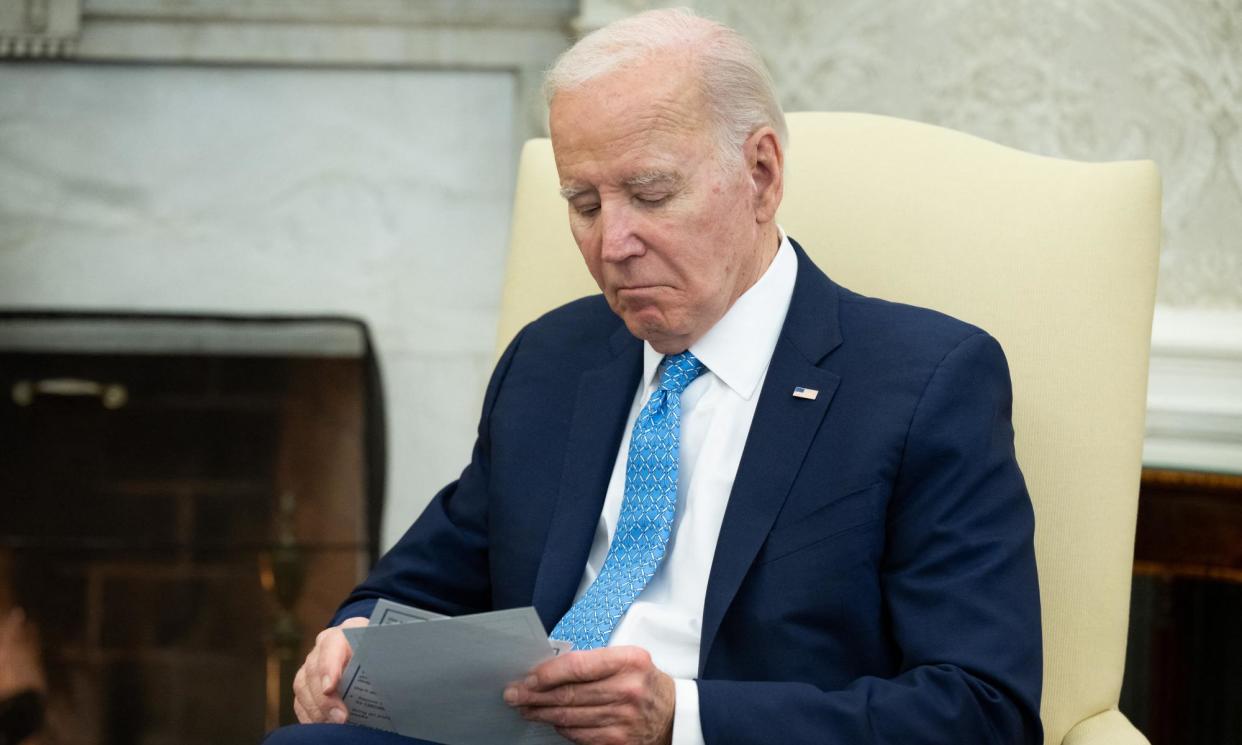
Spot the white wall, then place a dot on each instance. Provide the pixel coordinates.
(378, 193)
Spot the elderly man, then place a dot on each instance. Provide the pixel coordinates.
(763, 508)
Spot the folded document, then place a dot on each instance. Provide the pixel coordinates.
(424, 675)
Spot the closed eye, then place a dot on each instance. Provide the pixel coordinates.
(651, 200)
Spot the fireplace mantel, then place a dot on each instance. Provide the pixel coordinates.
(521, 37)
(1194, 397)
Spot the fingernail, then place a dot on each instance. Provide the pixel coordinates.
(511, 695)
(327, 684)
(531, 681)
(337, 715)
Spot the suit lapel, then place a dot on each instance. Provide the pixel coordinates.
(780, 434)
(601, 407)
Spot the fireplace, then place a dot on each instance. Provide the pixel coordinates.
(1183, 681)
(185, 501)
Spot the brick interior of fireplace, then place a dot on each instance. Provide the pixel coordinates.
(140, 537)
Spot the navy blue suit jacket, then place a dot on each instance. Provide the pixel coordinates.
(874, 580)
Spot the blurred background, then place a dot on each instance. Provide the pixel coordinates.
(250, 263)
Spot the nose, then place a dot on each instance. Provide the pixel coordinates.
(618, 238)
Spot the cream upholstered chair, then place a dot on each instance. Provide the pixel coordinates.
(1055, 258)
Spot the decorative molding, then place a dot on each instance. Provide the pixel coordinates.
(164, 334)
(534, 14)
(39, 28)
(521, 37)
(1194, 394)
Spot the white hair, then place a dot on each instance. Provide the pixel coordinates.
(739, 91)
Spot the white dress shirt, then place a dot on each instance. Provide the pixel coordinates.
(716, 410)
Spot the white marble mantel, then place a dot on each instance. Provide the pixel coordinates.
(517, 37)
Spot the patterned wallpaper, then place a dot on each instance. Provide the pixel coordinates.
(1082, 79)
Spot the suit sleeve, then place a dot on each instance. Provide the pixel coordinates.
(441, 563)
(959, 585)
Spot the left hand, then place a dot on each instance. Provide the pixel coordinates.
(613, 695)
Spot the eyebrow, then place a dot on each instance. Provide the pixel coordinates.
(638, 180)
(569, 192)
(650, 178)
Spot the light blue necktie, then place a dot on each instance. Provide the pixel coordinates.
(647, 512)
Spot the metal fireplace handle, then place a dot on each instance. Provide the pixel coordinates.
(111, 395)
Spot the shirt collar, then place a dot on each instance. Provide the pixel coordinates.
(738, 348)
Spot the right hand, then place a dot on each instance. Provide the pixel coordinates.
(315, 694)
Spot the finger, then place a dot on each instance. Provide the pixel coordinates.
(321, 673)
(303, 682)
(315, 677)
(582, 667)
(335, 654)
(577, 717)
(334, 711)
(318, 676)
(596, 693)
(302, 695)
(335, 715)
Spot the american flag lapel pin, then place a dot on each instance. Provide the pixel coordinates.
(807, 393)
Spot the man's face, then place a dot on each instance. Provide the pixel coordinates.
(669, 234)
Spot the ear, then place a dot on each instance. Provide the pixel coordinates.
(765, 162)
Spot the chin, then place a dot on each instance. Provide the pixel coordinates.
(658, 334)
(643, 327)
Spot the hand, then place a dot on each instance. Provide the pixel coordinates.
(600, 697)
(315, 696)
(20, 666)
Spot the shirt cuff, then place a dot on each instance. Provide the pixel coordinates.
(687, 729)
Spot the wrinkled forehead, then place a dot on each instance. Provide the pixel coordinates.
(649, 101)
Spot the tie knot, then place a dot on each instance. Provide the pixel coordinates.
(680, 370)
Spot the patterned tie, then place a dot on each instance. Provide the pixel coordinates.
(647, 512)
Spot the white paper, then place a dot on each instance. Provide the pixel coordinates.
(443, 679)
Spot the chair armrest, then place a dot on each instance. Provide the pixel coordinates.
(1106, 728)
